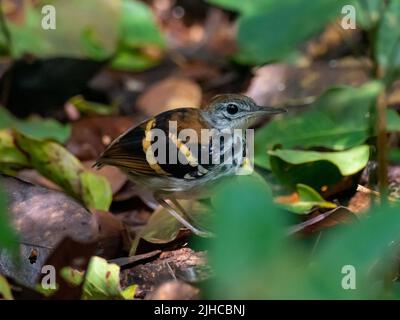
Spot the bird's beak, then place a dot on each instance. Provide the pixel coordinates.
(268, 110)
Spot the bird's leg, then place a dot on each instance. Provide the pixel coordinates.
(178, 217)
(205, 234)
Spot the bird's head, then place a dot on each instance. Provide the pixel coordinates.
(235, 111)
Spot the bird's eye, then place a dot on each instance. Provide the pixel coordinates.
(232, 108)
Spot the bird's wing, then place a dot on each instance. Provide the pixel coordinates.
(135, 150)
(126, 152)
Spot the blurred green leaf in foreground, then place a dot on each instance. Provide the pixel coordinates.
(8, 237)
(254, 258)
(118, 30)
(270, 30)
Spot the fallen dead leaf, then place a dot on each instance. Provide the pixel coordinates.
(90, 136)
(333, 42)
(169, 94)
(69, 253)
(359, 203)
(42, 218)
(110, 236)
(283, 84)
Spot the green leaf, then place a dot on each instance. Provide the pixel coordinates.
(308, 199)
(101, 281)
(96, 191)
(129, 292)
(319, 174)
(249, 253)
(317, 169)
(74, 277)
(53, 161)
(348, 162)
(8, 237)
(137, 29)
(57, 164)
(76, 35)
(387, 45)
(36, 127)
(368, 13)
(87, 107)
(251, 235)
(5, 290)
(11, 158)
(44, 129)
(244, 7)
(132, 60)
(6, 118)
(392, 120)
(338, 120)
(262, 37)
(137, 26)
(363, 246)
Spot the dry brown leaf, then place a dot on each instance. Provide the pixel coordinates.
(110, 237)
(42, 218)
(90, 136)
(169, 94)
(282, 84)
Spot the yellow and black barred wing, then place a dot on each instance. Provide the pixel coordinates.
(126, 152)
(134, 150)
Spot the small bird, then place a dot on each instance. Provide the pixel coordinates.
(133, 152)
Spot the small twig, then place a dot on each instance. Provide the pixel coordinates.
(299, 101)
(374, 193)
(382, 145)
(133, 259)
(301, 226)
(170, 270)
(314, 248)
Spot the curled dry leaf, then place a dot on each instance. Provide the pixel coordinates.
(360, 202)
(163, 229)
